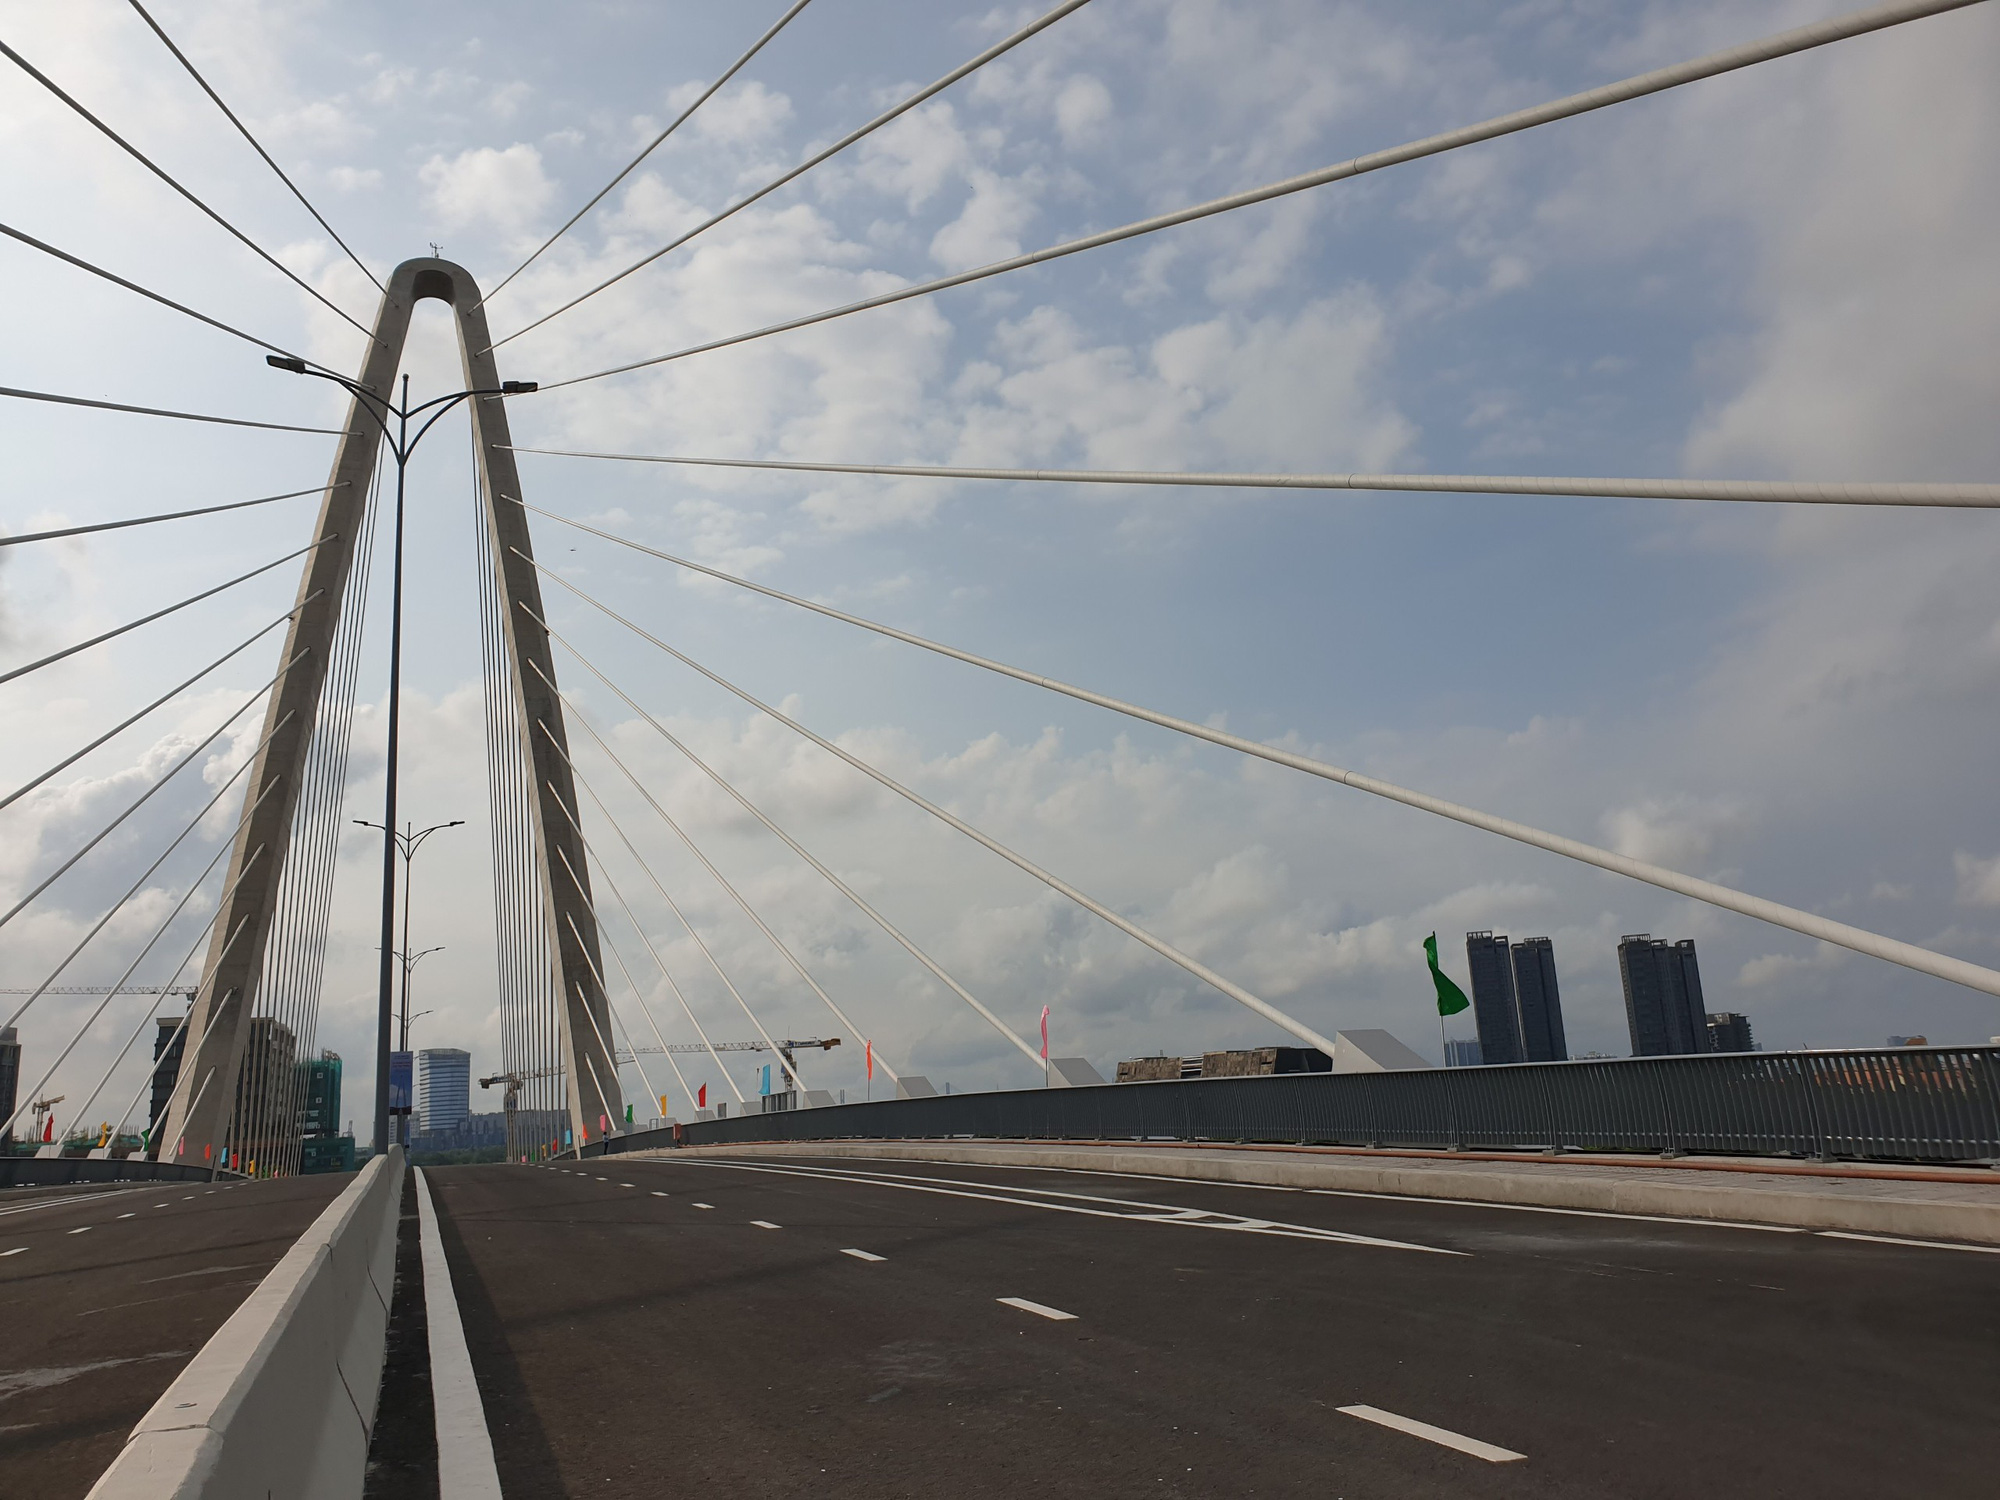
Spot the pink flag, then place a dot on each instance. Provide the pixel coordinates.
(1045, 1033)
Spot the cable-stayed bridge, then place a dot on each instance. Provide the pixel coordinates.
(1351, 1219)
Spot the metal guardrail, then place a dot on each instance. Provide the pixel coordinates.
(1932, 1104)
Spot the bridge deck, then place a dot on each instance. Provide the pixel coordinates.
(641, 1326)
(106, 1293)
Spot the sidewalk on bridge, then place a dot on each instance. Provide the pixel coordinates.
(1924, 1203)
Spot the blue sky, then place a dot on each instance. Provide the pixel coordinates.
(1782, 273)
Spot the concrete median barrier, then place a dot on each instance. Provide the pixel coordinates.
(281, 1401)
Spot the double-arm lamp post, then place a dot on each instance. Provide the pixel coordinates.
(407, 843)
(401, 445)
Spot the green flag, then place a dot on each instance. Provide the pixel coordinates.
(1451, 999)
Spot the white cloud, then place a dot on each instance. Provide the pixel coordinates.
(1978, 879)
(502, 189)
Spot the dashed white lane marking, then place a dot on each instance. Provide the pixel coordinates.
(864, 1255)
(159, 1205)
(601, 1179)
(628, 1184)
(1488, 1451)
(188, 1199)
(18, 1249)
(765, 1224)
(1890, 1239)
(703, 1205)
(658, 1194)
(84, 1230)
(126, 1216)
(1039, 1309)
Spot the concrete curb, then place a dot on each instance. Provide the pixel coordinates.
(281, 1401)
(1906, 1213)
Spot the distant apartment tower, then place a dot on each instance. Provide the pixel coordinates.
(266, 1120)
(1730, 1032)
(1515, 1000)
(169, 1040)
(444, 1088)
(1538, 1002)
(1462, 1052)
(10, 1080)
(1663, 1003)
(1493, 1008)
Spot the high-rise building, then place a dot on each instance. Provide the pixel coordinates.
(1462, 1052)
(169, 1041)
(266, 1119)
(1663, 1002)
(1493, 1007)
(10, 1080)
(1730, 1032)
(320, 1095)
(444, 1088)
(1537, 1002)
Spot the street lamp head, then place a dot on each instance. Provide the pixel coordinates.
(286, 362)
(511, 387)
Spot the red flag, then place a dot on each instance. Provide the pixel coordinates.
(1045, 1033)
(701, 1098)
(871, 1062)
(49, 1127)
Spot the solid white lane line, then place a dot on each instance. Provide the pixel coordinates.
(857, 1254)
(1440, 1435)
(1890, 1239)
(1136, 1211)
(465, 1448)
(18, 1249)
(1040, 1310)
(764, 1224)
(1574, 1213)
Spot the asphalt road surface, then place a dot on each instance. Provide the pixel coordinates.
(106, 1293)
(830, 1327)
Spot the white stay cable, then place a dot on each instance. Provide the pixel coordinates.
(118, 728)
(1131, 929)
(1728, 60)
(1908, 955)
(83, 1110)
(136, 886)
(681, 916)
(605, 990)
(112, 993)
(726, 886)
(609, 1050)
(652, 146)
(182, 1073)
(1769, 491)
(793, 844)
(181, 1030)
(637, 927)
(646, 1011)
(735, 895)
(971, 65)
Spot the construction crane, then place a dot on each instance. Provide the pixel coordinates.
(513, 1081)
(43, 1108)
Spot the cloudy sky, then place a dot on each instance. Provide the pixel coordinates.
(1784, 273)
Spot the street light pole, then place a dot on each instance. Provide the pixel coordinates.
(401, 445)
(406, 843)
